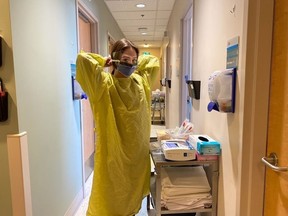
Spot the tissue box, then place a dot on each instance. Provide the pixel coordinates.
(205, 145)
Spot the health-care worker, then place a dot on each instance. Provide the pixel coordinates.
(120, 103)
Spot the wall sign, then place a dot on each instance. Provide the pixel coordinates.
(232, 53)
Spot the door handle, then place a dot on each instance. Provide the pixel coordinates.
(272, 162)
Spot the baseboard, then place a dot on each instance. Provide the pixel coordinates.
(75, 204)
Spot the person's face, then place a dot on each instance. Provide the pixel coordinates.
(129, 56)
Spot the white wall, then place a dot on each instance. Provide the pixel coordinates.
(44, 43)
(214, 24)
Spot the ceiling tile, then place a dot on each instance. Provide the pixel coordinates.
(166, 4)
(130, 5)
(159, 34)
(163, 14)
(131, 15)
(138, 23)
(160, 28)
(154, 17)
(136, 28)
(162, 22)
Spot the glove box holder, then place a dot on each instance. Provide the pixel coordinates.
(3, 106)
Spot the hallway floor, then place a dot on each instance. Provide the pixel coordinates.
(83, 208)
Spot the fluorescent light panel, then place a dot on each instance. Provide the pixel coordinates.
(140, 5)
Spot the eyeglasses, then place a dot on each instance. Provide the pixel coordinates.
(129, 59)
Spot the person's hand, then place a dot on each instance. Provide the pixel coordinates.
(108, 61)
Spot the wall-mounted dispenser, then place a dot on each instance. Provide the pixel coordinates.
(194, 87)
(165, 82)
(77, 91)
(221, 89)
(3, 103)
(168, 82)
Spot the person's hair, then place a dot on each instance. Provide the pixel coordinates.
(119, 47)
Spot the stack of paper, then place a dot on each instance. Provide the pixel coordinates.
(185, 188)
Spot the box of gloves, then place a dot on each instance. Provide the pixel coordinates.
(205, 145)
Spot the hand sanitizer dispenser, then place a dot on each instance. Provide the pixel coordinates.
(221, 89)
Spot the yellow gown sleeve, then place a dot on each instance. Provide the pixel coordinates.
(148, 65)
(90, 74)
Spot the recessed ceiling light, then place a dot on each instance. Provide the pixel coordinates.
(144, 33)
(141, 5)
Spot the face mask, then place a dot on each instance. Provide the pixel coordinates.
(126, 69)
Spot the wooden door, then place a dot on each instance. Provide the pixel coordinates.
(276, 187)
(88, 135)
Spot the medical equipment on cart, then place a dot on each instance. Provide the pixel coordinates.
(178, 150)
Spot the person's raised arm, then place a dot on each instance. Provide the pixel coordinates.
(148, 65)
(89, 72)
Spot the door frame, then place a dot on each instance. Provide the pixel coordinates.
(94, 25)
(187, 64)
(95, 48)
(256, 52)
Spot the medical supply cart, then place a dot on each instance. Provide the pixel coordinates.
(212, 171)
(158, 107)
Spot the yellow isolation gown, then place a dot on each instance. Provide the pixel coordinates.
(121, 108)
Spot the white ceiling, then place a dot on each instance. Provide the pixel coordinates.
(154, 17)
